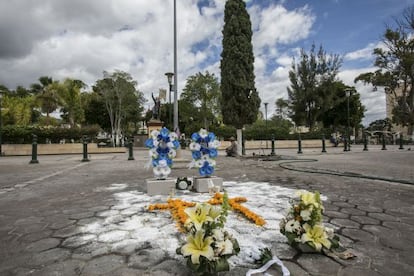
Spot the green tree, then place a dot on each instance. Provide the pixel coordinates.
(71, 101)
(47, 95)
(95, 110)
(17, 110)
(282, 108)
(310, 93)
(240, 100)
(203, 92)
(120, 96)
(396, 68)
(336, 117)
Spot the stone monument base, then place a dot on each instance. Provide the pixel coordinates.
(160, 186)
(205, 184)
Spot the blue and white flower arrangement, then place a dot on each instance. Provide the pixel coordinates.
(203, 148)
(163, 147)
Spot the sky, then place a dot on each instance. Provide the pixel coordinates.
(82, 38)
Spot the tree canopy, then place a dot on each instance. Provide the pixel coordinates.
(240, 101)
(395, 61)
(311, 90)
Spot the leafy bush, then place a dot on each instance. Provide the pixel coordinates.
(12, 134)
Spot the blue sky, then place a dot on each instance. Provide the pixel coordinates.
(80, 39)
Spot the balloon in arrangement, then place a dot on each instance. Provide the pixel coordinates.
(203, 147)
(163, 145)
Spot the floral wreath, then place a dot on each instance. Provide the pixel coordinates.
(163, 145)
(204, 150)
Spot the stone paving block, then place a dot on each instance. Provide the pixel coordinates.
(67, 231)
(48, 257)
(335, 214)
(173, 267)
(283, 251)
(365, 220)
(68, 267)
(89, 251)
(103, 265)
(370, 208)
(32, 237)
(76, 241)
(345, 223)
(294, 269)
(343, 204)
(352, 271)
(146, 259)
(317, 264)
(353, 211)
(358, 235)
(43, 244)
(113, 236)
(82, 215)
(160, 187)
(383, 217)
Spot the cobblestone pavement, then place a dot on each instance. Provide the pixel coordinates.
(45, 207)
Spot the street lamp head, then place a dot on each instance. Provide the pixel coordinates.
(266, 104)
(169, 77)
(348, 92)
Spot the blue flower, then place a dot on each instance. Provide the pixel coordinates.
(195, 137)
(149, 143)
(211, 136)
(213, 153)
(196, 155)
(176, 144)
(206, 170)
(204, 150)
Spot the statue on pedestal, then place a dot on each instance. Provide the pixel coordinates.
(156, 108)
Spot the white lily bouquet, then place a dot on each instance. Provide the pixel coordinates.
(303, 225)
(208, 245)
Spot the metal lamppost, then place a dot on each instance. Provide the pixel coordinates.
(265, 104)
(175, 69)
(169, 78)
(1, 150)
(348, 136)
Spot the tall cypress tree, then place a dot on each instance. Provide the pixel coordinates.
(240, 101)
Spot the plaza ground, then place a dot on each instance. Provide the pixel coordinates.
(45, 207)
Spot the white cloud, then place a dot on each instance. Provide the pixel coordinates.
(365, 53)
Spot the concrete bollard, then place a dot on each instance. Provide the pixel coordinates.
(34, 150)
(383, 142)
(299, 145)
(401, 142)
(85, 149)
(365, 143)
(323, 144)
(130, 149)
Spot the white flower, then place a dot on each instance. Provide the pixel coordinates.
(170, 145)
(214, 144)
(224, 247)
(173, 136)
(161, 172)
(330, 232)
(199, 163)
(154, 134)
(194, 146)
(156, 143)
(305, 214)
(162, 163)
(218, 234)
(292, 226)
(153, 153)
(212, 162)
(172, 153)
(203, 133)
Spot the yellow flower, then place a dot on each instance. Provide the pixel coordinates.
(309, 198)
(214, 212)
(317, 236)
(197, 246)
(198, 215)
